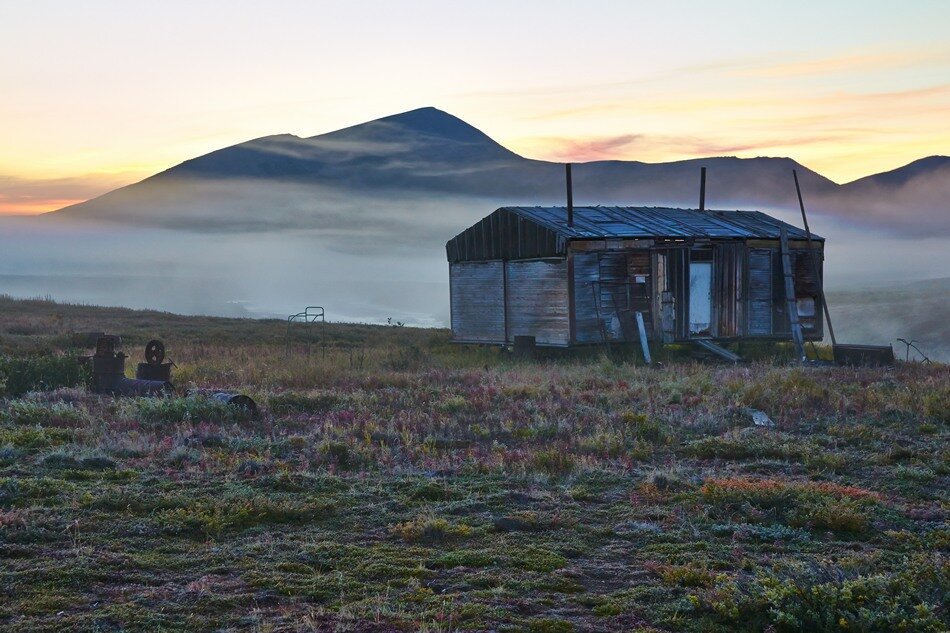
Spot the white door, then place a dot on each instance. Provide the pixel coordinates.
(700, 297)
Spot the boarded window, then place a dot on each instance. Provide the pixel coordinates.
(760, 292)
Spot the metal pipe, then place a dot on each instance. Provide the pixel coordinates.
(702, 189)
(119, 385)
(814, 262)
(570, 195)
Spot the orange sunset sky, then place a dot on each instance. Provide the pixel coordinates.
(99, 94)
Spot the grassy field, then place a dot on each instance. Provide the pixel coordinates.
(394, 482)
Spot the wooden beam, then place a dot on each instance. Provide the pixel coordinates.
(790, 300)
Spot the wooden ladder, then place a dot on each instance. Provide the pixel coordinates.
(790, 300)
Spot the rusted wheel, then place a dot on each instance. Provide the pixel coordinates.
(154, 352)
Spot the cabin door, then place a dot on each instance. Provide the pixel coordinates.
(700, 293)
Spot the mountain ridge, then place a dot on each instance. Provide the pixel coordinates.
(427, 152)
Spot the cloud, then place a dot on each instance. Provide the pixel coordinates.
(629, 146)
(30, 196)
(859, 61)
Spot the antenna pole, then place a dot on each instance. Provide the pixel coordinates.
(702, 189)
(814, 261)
(570, 195)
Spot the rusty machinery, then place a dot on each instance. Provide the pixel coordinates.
(152, 378)
(107, 367)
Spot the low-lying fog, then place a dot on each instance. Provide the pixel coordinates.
(358, 276)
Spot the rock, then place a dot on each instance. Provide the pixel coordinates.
(759, 418)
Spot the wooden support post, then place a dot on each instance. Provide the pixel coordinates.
(814, 261)
(791, 302)
(644, 345)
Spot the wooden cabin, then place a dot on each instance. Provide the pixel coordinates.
(690, 274)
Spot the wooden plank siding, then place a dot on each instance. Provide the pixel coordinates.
(759, 305)
(538, 303)
(478, 302)
(594, 289)
(586, 272)
(765, 298)
(727, 289)
(504, 235)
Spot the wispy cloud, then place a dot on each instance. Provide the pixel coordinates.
(854, 62)
(627, 146)
(30, 196)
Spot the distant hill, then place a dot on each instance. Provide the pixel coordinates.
(426, 174)
(913, 199)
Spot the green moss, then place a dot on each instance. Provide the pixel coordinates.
(537, 559)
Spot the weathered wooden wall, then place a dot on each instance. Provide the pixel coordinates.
(605, 285)
(478, 302)
(504, 235)
(728, 259)
(766, 306)
(586, 272)
(538, 301)
(492, 302)
(760, 292)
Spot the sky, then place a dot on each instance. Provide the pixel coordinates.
(102, 93)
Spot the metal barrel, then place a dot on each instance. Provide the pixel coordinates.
(236, 400)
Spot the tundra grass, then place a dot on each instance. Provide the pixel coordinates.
(412, 485)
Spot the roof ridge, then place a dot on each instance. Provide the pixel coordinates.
(619, 221)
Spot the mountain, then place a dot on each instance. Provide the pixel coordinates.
(912, 200)
(924, 167)
(427, 174)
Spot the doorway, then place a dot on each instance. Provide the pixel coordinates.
(700, 293)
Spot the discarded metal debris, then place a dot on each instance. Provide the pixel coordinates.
(863, 355)
(107, 366)
(718, 350)
(310, 316)
(912, 344)
(238, 400)
(153, 368)
(152, 378)
(234, 399)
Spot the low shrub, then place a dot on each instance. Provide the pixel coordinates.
(430, 529)
(34, 438)
(295, 402)
(825, 599)
(817, 506)
(192, 409)
(210, 519)
(642, 427)
(689, 575)
(20, 375)
(465, 558)
(538, 559)
(25, 412)
(553, 461)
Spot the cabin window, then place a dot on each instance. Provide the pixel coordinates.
(700, 292)
(806, 307)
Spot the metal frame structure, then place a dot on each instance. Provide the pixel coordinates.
(309, 316)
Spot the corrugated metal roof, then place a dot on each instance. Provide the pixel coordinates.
(632, 222)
